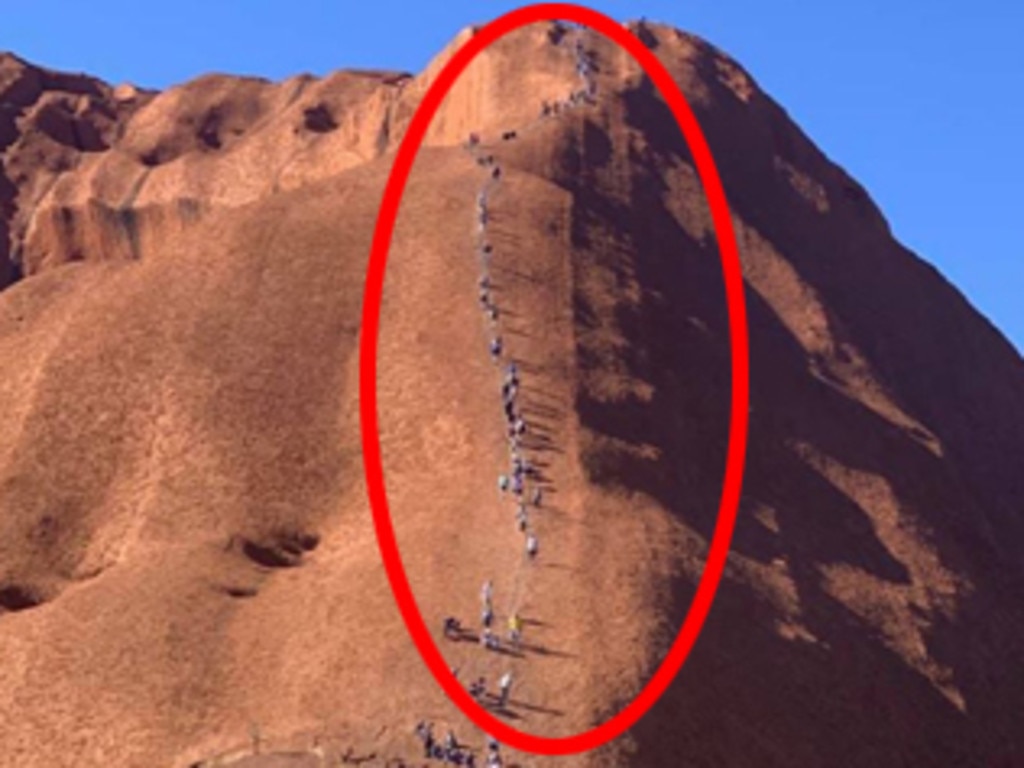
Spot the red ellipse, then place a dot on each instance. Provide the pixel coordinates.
(739, 345)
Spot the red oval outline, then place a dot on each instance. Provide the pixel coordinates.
(739, 414)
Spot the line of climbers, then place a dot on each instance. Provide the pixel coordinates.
(522, 475)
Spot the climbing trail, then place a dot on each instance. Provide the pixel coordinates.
(522, 483)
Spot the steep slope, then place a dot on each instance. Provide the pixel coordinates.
(187, 563)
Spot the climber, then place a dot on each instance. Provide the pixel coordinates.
(502, 483)
(452, 628)
(518, 465)
(515, 629)
(486, 249)
(421, 730)
(521, 517)
(486, 591)
(517, 485)
(487, 616)
(496, 173)
(520, 426)
(478, 688)
(531, 545)
(473, 140)
(504, 687)
(537, 493)
(496, 348)
(425, 733)
(488, 640)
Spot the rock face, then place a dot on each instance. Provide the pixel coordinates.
(187, 562)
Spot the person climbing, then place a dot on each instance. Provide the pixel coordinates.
(502, 483)
(496, 348)
(473, 140)
(488, 640)
(532, 545)
(487, 616)
(451, 749)
(517, 485)
(496, 173)
(486, 592)
(484, 282)
(520, 426)
(421, 730)
(521, 518)
(537, 494)
(478, 688)
(492, 313)
(427, 735)
(504, 689)
(515, 629)
(487, 248)
(510, 412)
(452, 628)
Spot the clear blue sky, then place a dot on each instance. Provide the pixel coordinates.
(921, 100)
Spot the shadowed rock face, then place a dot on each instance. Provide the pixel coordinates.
(187, 563)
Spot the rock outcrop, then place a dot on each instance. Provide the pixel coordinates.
(187, 561)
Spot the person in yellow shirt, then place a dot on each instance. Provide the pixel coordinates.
(515, 629)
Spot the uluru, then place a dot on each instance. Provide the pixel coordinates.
(189, 570)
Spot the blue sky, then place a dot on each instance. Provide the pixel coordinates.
(920, 100)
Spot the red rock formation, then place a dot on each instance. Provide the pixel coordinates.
(187, 564)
